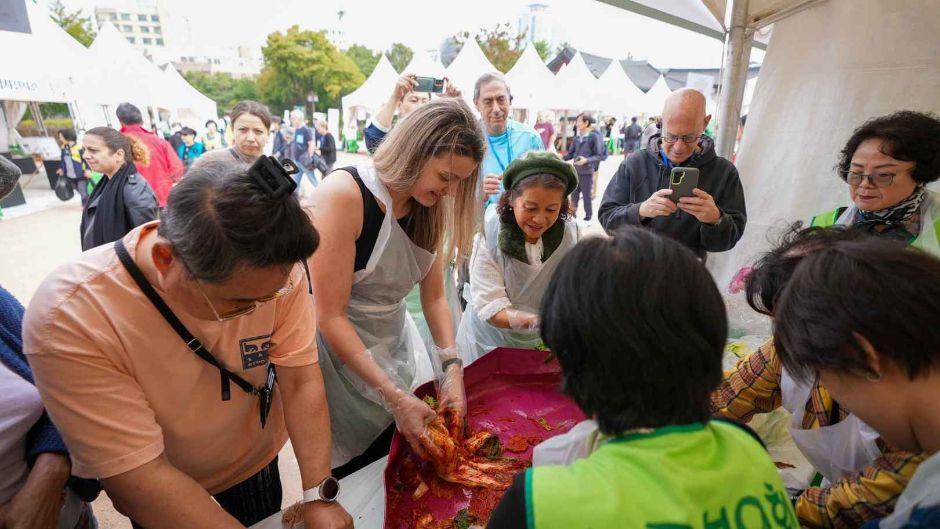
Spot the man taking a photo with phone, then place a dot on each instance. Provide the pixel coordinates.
(712, 217)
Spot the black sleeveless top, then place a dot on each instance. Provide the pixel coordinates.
(372, 216)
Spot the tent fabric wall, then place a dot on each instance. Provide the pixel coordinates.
(374, 92)
(532, 84)
(656, 97)
(577, 86)
(809, 98)
(467, 67)
(423, 65)
(618, 94)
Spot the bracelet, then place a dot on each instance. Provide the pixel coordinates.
(449, 362)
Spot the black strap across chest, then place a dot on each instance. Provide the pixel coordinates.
(191, 341)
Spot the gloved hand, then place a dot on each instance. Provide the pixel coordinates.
(449, 380)
(521, 320)
(412, 416)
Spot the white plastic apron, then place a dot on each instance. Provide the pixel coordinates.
(377, 311)
(835, 451)
(578, 443)
(525, 285)
(930, 213)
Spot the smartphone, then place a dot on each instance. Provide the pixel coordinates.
(682, 180)
(429, 84)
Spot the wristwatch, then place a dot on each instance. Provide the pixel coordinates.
(327, 491)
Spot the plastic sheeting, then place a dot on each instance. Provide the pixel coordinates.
(809, 97)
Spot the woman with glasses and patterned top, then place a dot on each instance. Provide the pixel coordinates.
(888, 163)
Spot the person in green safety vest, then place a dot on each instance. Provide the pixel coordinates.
(862, 316)
(888, 163)
(640, 352)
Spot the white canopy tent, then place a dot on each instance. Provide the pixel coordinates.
(374, 92)
(618, 95)
(656, 97)
(467, 67)
(576, 86)
(423, 65)
(198, 109)
(531, 82)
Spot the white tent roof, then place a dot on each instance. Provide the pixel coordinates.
(467, 67)
(201, 107)
(618, 94)
(42, 65)
(576, 85)
(141, 81)
(531, 82)
(374, 92)
(656, 97)
(424, 66)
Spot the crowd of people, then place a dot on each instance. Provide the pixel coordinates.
(172, 360)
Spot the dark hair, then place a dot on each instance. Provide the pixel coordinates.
(587, 118)
(68, 134)
(633, 119)
(186, 131)
(907, 136)
(774, 269)
(134, 149)
(486, 79)
(639, 329)
(877, 289)
(548, 181)
(128, 114)
(212, 121)
(254, 108)
(219, 218)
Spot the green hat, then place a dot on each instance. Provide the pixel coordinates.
(534, 163)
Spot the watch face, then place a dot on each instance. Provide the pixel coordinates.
(329, 489)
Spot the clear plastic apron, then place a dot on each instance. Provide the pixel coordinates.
(525, 285)
(927, 240)
(840, 450)
(377, 311)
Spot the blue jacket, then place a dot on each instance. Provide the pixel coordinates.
(43, 436)
(195, 151)
(592, 148)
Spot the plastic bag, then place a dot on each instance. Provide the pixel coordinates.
(63, 189)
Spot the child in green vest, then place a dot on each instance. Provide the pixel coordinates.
(638, 327)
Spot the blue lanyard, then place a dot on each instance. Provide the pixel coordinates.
(502, 166)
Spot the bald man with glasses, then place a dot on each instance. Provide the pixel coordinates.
(713, 219)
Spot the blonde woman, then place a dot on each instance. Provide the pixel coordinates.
(382, 229)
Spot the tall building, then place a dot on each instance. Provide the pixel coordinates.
(535, 21)
(140, 21)
(244, 63)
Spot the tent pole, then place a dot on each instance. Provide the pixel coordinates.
(733, 78)
(37, 117)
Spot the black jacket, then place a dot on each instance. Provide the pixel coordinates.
(590, 146)
(643, 173)
(140, 207)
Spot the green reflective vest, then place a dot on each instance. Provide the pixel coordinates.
(713, 476)
(927, 240)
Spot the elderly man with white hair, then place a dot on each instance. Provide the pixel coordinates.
(713, 219)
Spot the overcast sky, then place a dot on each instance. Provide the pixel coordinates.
(588, 25)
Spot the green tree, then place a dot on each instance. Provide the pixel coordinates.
(299, 62)
(562, 47)
(399, 55)
(500, 46)
(222, 88)
(364, 58)
(73, 23)
(544, 49)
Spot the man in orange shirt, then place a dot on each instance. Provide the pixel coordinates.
(155, 357)
(165, 167)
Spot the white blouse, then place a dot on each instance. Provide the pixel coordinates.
(487, 289)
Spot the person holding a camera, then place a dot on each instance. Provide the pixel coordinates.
(410, 93)
(652, 186)
(177, 361)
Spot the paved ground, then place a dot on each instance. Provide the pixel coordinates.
(41, 235)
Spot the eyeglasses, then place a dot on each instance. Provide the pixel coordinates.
(687, 139)
(243, 311)
(878, 179)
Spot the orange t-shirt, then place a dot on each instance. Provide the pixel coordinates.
(122, 387)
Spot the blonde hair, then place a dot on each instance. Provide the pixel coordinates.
(441, 127)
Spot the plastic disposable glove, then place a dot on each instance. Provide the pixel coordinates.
(521, 320)
(412, 416)
(449, 381)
